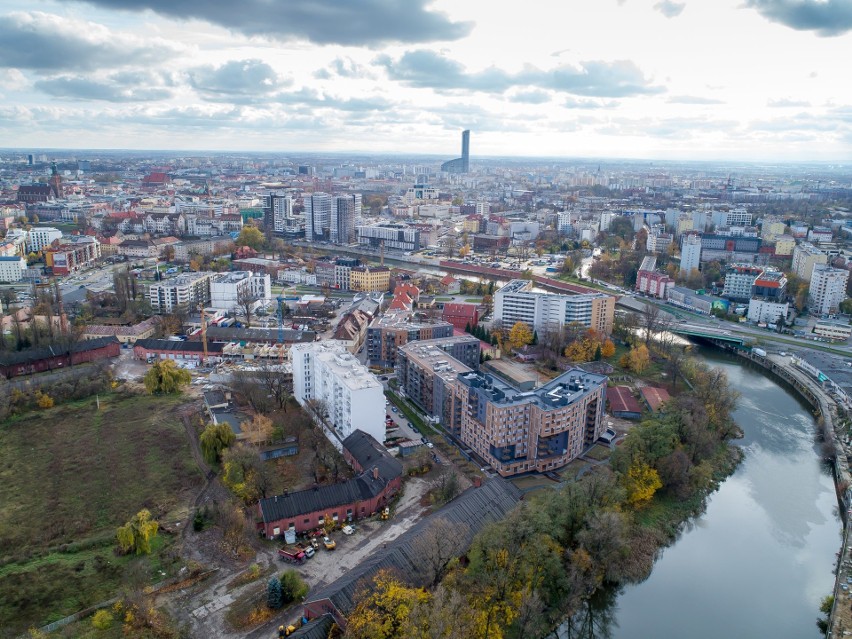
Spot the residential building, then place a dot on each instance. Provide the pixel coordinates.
(827, 289)
(317, 217)
(820, 235)
(394, 237)
(730, 248)
(461, 315)
(366, 278)
(767, 310)
(230, 292)
(770, 284)
(184, 293)
(658, 242)
(651, 282)
(541, 430)
(690, 253)
(516, 302)
(345, 210)
(805, 257)
(138, 248)
(784, 245)
(352, 329)
(393, 330)
(12, 268)
(330, 380)
(69, 257)
(280, 217)
(39, 237)
(739, 279)
(427, 372)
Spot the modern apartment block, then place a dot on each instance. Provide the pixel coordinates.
(395, 237)
(427, 373)
(183, 293)
(739, 279)
(690, 253)
(40, 236)
(805, 257)
(396, 329)
(318, 217)
(517, 302)
(230, 291)
(651, 282)
(537, 430)
(345, 210)
(328, 378)
(827, 289)
(280, 216)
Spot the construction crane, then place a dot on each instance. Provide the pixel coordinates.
(382, 252)
(280, 301)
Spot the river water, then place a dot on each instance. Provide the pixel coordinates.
(758, 562)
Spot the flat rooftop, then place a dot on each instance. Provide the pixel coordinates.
(430, 356)
(562, 391)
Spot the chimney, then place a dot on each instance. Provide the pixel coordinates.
(375, 472)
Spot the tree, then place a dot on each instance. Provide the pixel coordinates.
(258, 430)
(641, 483)
(846, 306)
(520, 335)
(384, 609)
(166, 378)
(246, 301)
(607, 349)
(639, 358)
(252, 237)
(293, 588)
(214, 439)
(135, 536)
(437, 548)
(245, 473)
(274, 596)
(102, 620)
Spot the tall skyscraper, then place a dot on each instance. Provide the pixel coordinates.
(279, 215)
(690, 253)
(345, 210)
(462, 164)
(318, 208)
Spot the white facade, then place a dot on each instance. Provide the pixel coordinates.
(394, 236)
(317, 216)
(12, 268)
(833, 330)
(229, 290)
(39, 237)
(767, 311)
(183, 293)
(690, 254)
(352, 396)
(827, 289)
(515, 303)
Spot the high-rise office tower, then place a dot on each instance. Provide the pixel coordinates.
(345, 210)
(318, 208)
(462, 164)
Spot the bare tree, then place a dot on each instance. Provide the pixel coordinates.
(650, 319)
(246, 301)
(437, 546)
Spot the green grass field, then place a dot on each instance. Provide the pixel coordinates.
(69, 476)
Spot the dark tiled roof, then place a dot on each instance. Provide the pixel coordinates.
(470, 513)
(232, 334)
(178, 345)
(315, 629)
(38, 354)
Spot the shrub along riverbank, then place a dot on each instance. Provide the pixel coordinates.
(530, 572)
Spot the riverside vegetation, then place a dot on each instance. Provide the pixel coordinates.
(558, 549)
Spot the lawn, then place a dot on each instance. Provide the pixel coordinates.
(598, 452)
(69, 476)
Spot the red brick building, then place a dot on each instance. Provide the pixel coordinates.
(461, 315)
(39, 360)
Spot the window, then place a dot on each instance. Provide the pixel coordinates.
(276, 531)
(306, 521)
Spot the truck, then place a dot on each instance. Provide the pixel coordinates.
(307, 549)
(759, 351)
(292, 555)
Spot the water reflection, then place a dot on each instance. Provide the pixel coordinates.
(595, 620)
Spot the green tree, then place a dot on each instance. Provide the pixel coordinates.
(214, 439)
(166, 378)
(293, 588)
(135, 536)
(641, 483)
(102, 620)
(274, 597)
(252, 237)
(846, 305)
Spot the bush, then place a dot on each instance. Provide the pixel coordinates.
(292, 586)
(102, 620)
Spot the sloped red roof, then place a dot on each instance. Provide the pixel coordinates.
(460, 310)
(655, 397)
(401, 302)
(621, 400)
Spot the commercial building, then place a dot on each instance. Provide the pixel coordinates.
(427, 373)
(827, 289)
(231, 291)
(318, 217)
(394, 237)
(462, 164)
(770, 284)
(183, 293)
(739, 279)
(767, 310)
(805, 257)
(71, 256)
(690, 253)
(331, 381)
(396, 329)
(365, 278)
(838, 331)
(689, 299)
(12, 268)
(730, 248)
(517, 302)
(345, 210)
(539, 430)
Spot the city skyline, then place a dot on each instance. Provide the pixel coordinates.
(754, 81)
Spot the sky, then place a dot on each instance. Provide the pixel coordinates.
(670, 79)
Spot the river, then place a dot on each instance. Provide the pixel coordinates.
(759, 560)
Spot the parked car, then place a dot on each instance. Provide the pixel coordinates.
(348, 530)
(329, 543)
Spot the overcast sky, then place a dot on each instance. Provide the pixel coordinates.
(700, 79)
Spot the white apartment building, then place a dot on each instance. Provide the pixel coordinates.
(690, 253)
(769, 311)
(394, 236)
(805, 257)
(326, 373)
(658, 243)
(182, 293)
(12, 268)
(317, 217)
(228, 291)
(735, 217)
(40, 236)
(515, 302)
(827, 289)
